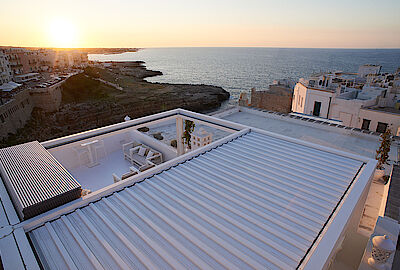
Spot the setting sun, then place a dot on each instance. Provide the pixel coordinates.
(62, 34)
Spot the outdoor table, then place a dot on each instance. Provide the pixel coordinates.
(92, 155)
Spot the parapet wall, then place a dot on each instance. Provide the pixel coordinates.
(49, 98)
(277, 98)
(15, 113)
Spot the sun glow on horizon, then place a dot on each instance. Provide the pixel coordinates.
(62, 34)
(207, 23)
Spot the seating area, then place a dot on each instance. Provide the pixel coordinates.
(102, 161)
(141, 155)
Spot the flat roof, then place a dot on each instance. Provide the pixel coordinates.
(326, 134)
(254, 202)
(383, 110)
(27, 74)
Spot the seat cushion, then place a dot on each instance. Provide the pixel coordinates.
(150, 154)
(138, 159)
(142, 151)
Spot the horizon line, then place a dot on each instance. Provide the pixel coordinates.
(159, 47)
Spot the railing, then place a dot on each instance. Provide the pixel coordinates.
(143, 121)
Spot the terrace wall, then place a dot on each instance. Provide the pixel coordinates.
(15, 113)
(49, 98)
(167, 151)
(278, 98)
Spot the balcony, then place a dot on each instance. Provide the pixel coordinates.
(96, 158)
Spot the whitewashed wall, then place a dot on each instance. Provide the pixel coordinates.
(167, 151)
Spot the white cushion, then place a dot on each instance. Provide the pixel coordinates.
(142, 151)
(150, 154)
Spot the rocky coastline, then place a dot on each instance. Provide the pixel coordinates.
(88, 102)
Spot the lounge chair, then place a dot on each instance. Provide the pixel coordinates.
(142, 155)
(124, 176)
(147, 166)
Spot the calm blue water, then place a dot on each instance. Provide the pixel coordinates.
(240, 69)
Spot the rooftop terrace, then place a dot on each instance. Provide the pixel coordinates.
(252, 199)
(318, 132)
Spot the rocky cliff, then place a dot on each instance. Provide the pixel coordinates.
(88, 103)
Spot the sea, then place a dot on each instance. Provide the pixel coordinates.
(240, 69)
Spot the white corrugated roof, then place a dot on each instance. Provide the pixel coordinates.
(255, 202)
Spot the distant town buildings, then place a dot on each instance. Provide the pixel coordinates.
(5, 69)
(367, 100)
(33, 78)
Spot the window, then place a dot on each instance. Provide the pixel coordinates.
(317, 108)
(365, 124)
(381, 127)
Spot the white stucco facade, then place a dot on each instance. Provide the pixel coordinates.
(365, 70)
(375, 116)
(348, 110)
(305, 99)
(341, 96)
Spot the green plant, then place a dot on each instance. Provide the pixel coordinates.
(382, 153)
(189, 127)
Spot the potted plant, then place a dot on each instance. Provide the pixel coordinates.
(189, 127)
(382, 154)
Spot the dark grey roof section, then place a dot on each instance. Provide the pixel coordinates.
(35, 180)
(393, 200)
(392, 209)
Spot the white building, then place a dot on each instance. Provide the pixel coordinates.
(200, 138)
(365, 70)
(341, 96)
(308, 98)
(26, 77)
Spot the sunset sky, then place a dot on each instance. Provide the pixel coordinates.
(187, 23)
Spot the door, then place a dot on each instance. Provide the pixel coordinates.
(317, 108)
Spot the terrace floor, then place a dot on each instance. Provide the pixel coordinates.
(100, 176)
(344, 142)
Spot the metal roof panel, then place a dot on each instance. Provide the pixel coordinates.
(254, 202)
